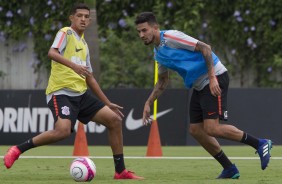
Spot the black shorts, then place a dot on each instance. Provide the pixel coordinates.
(204, 105)
(82, 108)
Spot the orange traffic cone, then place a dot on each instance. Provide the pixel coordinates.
(154, 148)
(80, 142)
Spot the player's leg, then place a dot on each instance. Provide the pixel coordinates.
(215, 109)
(213, 128)
(62, 129)
(64, 109)
(94, 110)
(209, 143)
(113, 123)
(263, 146)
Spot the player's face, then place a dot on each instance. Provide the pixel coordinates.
(147, 33)
(80, 20)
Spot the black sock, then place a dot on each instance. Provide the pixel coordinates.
(250, 140)
(119, 163)
(223, 160)
(26, 145)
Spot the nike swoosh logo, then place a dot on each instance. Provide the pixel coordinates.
(133, 124)
(211, 113)
(77, 50)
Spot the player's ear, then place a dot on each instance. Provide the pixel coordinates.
(156, 26)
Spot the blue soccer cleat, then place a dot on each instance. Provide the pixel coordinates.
(230, 173)
(263, 150)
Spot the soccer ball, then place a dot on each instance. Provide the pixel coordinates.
(82, 169)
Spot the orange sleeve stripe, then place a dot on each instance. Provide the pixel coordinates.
(61, 40)
(180, 40)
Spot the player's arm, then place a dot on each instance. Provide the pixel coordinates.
(160, 86)
(57, 48)
(180, 40)
(95, 88)
(56, 56)
(206, 51)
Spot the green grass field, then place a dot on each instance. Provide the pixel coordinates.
(193, 166)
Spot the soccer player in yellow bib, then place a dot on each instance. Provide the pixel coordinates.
(69, 99)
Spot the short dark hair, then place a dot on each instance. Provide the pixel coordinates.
(146, 17)
(78, 6)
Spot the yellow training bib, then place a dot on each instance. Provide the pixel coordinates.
(64, 77)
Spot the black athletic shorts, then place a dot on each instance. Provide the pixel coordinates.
(82, 108)
(204, 105)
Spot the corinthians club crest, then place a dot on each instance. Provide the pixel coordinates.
(66, 110)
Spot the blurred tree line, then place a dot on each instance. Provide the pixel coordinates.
(245, 34)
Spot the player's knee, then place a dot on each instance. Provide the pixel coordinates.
(62, 134)
(194, 131)
(116, 122)
(66, 133)
(212, 131)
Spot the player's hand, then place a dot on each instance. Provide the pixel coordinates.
(146, 115)
(116, 108)
(81, 70)
(214, 87)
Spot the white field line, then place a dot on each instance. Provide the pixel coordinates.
(143, 157)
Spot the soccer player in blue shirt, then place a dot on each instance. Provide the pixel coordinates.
(203, 71)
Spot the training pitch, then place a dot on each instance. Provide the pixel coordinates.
(187, 164)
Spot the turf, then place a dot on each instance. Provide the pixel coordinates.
(201, 170)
